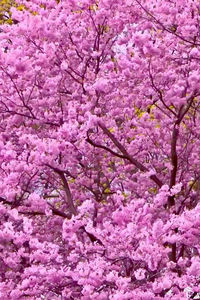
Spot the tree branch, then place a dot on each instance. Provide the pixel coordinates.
(66, 189)
(175, 133)
(104, 147)
(165, 28)
(126, 155)
(55, 211)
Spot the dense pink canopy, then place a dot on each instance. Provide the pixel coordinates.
(100, 150)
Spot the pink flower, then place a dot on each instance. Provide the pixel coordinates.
(140, 274)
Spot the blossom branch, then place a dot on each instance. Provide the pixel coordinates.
(66, 189)
(136, 163)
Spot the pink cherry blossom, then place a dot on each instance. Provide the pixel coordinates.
(100, 150)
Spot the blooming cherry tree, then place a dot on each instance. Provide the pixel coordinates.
(99, 150)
